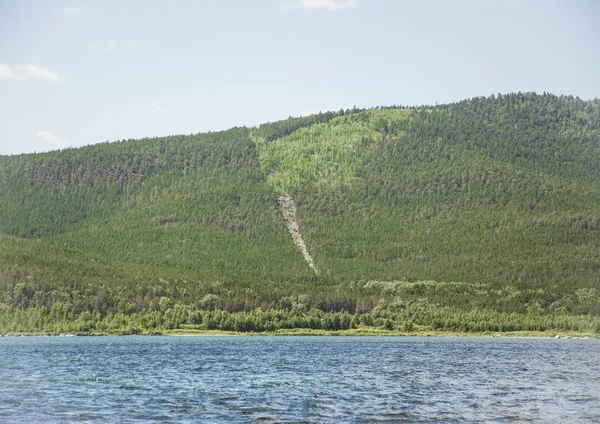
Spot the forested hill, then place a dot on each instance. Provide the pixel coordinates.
(483, 195)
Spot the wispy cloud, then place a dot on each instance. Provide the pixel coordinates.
(157, 107)
(6, 73)
(71, 10)
(51, 139)
(37, 73)
(113, 45)
(332, 5)
(28, 72)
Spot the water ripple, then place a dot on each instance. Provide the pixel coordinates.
(298, 379)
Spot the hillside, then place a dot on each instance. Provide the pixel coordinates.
(498, 190)
(474, 216)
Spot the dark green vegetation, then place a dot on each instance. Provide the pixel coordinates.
(482, 215)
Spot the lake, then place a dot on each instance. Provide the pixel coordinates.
(291, 379)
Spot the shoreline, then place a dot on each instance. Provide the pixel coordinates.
(323, 333)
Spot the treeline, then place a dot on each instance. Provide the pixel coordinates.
(421, 318)
(274, 130)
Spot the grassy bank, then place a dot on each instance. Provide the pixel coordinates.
(384, 333)
(365, 331)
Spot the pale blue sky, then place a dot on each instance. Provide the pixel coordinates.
(74, 72)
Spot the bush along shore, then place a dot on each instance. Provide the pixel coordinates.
(413, 320)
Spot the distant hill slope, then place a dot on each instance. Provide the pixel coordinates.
(502, 190)
(196, 204)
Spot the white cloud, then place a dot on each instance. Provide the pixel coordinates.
(28, 72)
(332, 5)
(71, 10)
(157, 107)
(6, 73)
(113, 45)
(51, 139)
(38, 73)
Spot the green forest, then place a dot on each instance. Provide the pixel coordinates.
(478, 216)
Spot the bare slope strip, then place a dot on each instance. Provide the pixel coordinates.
(289, 212)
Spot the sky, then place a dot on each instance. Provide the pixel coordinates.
(74, 73)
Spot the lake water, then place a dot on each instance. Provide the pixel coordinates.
(291, 379)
